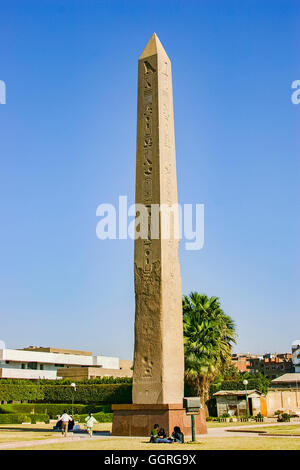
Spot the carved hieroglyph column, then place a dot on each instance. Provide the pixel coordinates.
(158, 376)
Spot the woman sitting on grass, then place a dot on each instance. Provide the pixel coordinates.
(177, 435)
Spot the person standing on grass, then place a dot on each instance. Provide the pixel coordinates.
(65, 418)
(90, 421)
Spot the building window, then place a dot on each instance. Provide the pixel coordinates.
(41, 366)
(32, 365)
(23, 366)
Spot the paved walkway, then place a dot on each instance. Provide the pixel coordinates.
(212, 432)
(40, 442)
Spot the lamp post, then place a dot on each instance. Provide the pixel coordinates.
(245, 382)
(73, 386)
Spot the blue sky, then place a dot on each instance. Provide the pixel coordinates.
(68, 133)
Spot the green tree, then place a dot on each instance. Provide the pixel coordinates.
(208, 338)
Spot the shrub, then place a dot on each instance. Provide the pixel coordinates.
(225, 415)
(100, 380)
(101, 393)
(284, 418)
(260, 384)
(14, 418)
(44, 418)
(52, 409)
(18, 392)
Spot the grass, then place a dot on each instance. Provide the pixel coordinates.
(220, 443)
(216, 424)
(288, 430)
(24, 432)
(28, 432)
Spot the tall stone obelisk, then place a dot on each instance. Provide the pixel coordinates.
(158, 376)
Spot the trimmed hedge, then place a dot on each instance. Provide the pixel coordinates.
(101, 393)
(14, 418)
(85, 394)
(19, 418)
(18, 392)
(53, 409)
(99, 380)
(253, 384)
(43, 418)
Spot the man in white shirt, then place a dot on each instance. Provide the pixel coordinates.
(65, 418)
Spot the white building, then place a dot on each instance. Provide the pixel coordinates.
(43, 363)
(296, 354)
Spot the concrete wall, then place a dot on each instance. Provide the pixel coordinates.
(21, 356)
(106, 362)
(283, 400)
(79, 373)
(18, 365)
(27, 374)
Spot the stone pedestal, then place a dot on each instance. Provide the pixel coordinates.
(139, 420)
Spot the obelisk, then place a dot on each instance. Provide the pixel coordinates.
(158, 375)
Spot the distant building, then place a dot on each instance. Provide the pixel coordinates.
(271, 365)
(296, 354)
(241, 361)
(35, 363)
(284, 394)
(287, 381)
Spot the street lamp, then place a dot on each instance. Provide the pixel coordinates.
(73, 386)
(245, 382)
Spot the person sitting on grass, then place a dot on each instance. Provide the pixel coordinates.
(177, 435)
(162, 437)
(159, 436)
(154, 433)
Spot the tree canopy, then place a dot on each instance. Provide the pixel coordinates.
(209, 335)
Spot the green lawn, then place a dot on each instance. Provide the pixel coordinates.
(28, 432)
(288, 430)
(24, 432)
(220, 443)
(216, 424)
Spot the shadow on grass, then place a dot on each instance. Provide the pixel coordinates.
(52, 431)
(26, 430)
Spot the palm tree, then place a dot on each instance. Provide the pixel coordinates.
(208, 338)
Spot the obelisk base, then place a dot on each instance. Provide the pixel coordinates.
(139, 420)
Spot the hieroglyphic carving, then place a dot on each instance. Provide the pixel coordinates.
(159, 356)
(147, 297)
(148, 78)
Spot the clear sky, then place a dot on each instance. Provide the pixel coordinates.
(68, 136)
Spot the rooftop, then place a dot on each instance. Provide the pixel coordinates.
(235, 392)
(287, 378)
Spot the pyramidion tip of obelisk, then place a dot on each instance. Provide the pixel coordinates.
(154, 46)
